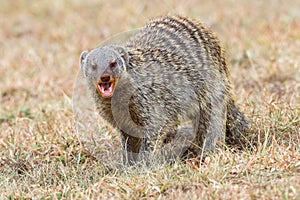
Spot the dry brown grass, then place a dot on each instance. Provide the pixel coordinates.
(41, 156)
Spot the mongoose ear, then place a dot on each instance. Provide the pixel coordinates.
(81, 60)
(82, 57)
(123, 53)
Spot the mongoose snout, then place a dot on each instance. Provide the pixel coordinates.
(105, 78)
(106, 85)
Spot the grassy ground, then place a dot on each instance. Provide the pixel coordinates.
(41, 156)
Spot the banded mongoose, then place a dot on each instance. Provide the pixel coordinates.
(168, 85)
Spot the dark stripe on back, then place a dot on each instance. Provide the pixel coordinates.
(210, 41)
(177, 39)
(190, 25)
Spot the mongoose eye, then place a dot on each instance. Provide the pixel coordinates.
(113, 65)
(94, 67)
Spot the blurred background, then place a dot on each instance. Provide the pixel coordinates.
(41, 42)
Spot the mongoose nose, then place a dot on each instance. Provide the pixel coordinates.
(105, 78)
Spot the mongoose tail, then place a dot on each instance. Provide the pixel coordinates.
(236, 126)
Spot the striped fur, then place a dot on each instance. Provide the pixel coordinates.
(176, 74)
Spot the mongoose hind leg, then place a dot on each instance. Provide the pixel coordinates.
(210, 133)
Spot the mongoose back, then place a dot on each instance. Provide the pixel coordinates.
(167, 86)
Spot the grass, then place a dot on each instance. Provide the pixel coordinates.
(42, 157)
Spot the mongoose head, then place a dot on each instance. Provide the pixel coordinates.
(104, 66)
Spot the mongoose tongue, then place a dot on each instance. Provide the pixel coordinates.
(106, 89)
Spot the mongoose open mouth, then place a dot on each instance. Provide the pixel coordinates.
(106, 89)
